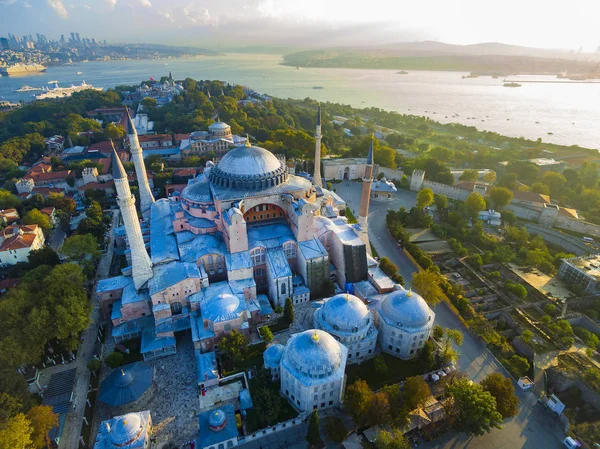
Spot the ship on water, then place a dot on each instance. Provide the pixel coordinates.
(21, 69)
(27, 88)
(64, 92)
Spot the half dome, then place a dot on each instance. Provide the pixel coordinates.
(406, 309)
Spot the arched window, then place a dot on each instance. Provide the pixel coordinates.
(258, 256)
(176, 308)
(289, 248)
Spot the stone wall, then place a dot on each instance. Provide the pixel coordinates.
(572, 224)
(389, 173)
(585, 322)
(569, 243)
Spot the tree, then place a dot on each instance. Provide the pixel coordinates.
(555, 181)
(473, 410)
(357, 399)
(441, 201)
(490, 176)
(387, 266)
(469, 175)
(149, 103)
(266, 334)
(288, 311)
(114, 359)
(43, 256)
(427, 284)
(82, 249)
(313, 435)
(16, 433)
(267, 404)
(448, 354)
(527, 336)
(380, 365)
(416, 392)
(540, 187)
(500, 196)
(503, 390)
(8, 200)
(43, 420)
(335, 428)
(475, 203)
(438, 333)
(34, 216)
(393, 439)
(518, 366)
(427, 355)
(550, 309)
(508, 217)
(424, 198)
(94, 365)
(378, 411)
(114, 132)
(234, 345)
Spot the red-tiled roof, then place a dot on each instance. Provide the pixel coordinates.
(185, 172)
(105, 146)
(97, 185)
(5, 284)
(45, 191)
(532, 197)
(48, 210)
(17, 242)
(51, 176)
(155, 137)
(180, 137)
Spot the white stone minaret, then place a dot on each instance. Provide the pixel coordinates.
(365, 199)
(146, 197)
(140, 261)
(317, 176)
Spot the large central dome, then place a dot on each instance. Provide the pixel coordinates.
(249, 168)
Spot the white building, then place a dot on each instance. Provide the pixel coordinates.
(404, 321)
(383, 190)
(312, 370)
(218, 139)
(348, 320)
(16, 242)
(131, 431)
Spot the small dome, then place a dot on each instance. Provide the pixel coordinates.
(126, 429)
(406, 309)
(218, 126)
(313, 354)
(223, 307)
(216, 419)
(272, 355)
(345, 312)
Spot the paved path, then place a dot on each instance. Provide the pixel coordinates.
(56, 238)
(74, 420)
(533, 427)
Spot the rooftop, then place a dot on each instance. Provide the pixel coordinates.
(210, 437)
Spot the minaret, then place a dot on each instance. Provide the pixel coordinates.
(366, 191)
(146, 197)
(317, 176)
(140, 261)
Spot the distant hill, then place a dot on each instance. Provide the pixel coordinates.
(485, 58)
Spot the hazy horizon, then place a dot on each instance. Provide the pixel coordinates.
(307, 24)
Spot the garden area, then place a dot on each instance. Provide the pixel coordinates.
(392, 371)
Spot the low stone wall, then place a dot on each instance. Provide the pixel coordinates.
(453, 193)
(390, 173)
(299, 420)
(572, 224)
(568, 242)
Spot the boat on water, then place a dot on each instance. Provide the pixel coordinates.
(318, 87)
(402, 72)
(65, 92)
(53, 82)
(27, 88)
(21, 69)
(511, 85)
(79, 73)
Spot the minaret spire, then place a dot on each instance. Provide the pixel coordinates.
(317, 176)
(141, 265)
(146, 197)
(366, 191)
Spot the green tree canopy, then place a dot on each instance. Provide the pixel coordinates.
(234, 345)
(503, 390)
(475, 203)
(427, 284)
(500, 196)
(34, 216)
(391, 439)
(424, 198)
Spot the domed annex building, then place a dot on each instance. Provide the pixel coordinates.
(220, 254)
(348, 320)
(404, 321)
(272, 358)
(219, 139)
(131, 431)
(312, 370)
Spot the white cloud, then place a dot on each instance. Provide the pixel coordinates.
(26, 4)
(111, 3)
(7, 2)
(198, 15)
(57, 5)
(167, 16)
(87, 6)
(146, 3)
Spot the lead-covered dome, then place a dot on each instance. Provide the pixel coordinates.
(248, 168)
(314, 354)
(223, 307)
(272, 355)
(126, 429)
(406, 309)
(346, 313)
(218, 126)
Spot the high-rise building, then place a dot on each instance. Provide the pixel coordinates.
(72, 37)
(4, 45)
(77, 37)
(62, 38)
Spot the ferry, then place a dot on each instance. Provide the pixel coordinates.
(79, 73)
(318, 87)
(22, 69)
(64, 92)
(27, 88)
(511, 85)
(53, 82)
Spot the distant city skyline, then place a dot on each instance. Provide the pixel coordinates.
(310, 23)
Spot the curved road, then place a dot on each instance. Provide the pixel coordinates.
(533, 427)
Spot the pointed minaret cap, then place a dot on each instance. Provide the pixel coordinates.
(118, 171)
(370, 155)
(319, 116)
(248, 144)
(129, 126)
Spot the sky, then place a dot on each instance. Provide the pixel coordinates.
(310, 23)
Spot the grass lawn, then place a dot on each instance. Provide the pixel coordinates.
(254, 357)
(398, 370)
(280, 325)
(350, 216)
(287, 412)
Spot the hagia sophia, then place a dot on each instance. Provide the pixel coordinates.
(231, 247)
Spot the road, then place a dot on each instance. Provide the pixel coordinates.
(74, 420)
(533, 427)
(56, 238)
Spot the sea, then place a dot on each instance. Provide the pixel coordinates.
(545, 107)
